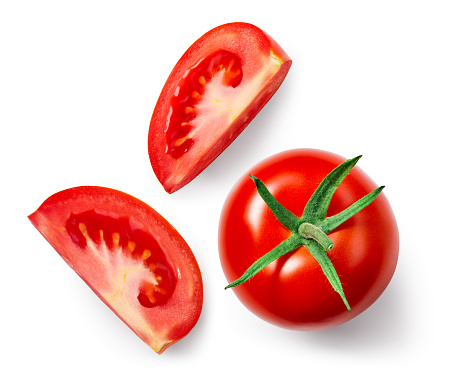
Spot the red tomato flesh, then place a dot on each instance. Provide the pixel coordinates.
(292, 291)
(130, 256)
(116, 235)
(217, 87)
(191, 89)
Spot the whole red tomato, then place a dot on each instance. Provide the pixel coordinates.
(214, 91)
(130, 256)
(293, 291)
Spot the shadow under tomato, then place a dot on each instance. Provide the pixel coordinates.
(383, 325)
(195, 339)
(245, 149)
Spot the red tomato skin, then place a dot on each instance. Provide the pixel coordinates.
(168, 323)
(255, 49)
(293, 292)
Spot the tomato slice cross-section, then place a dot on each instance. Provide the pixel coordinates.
(130, 256)
(214, 91)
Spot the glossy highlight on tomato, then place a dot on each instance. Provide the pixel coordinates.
(130, 256)
(214, 91)
(292, 291)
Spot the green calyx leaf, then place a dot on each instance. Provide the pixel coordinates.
(288, 245)
(317, 206)
(327, 266)
(284, 216)
(310, 230)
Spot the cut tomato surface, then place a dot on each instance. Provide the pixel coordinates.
(130, 256)
(217, 87)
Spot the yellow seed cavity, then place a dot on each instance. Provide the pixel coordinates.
(146, 254)
(116, 238)
(188, 110)
(202, 80)
(195, 94)
(152, 266)
(158, 277)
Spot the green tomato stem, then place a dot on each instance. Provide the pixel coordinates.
(309, 231)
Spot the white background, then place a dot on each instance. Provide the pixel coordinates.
(78, 83)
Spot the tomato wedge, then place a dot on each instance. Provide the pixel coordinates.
(130, 256)
(217, 87)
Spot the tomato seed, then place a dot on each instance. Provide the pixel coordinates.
(115, 238)
(131, 245)
(146, 254)
(83, 229)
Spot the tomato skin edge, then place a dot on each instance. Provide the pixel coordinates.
(188, 312)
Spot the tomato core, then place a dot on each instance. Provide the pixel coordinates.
(138, 247)
(189, 93)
